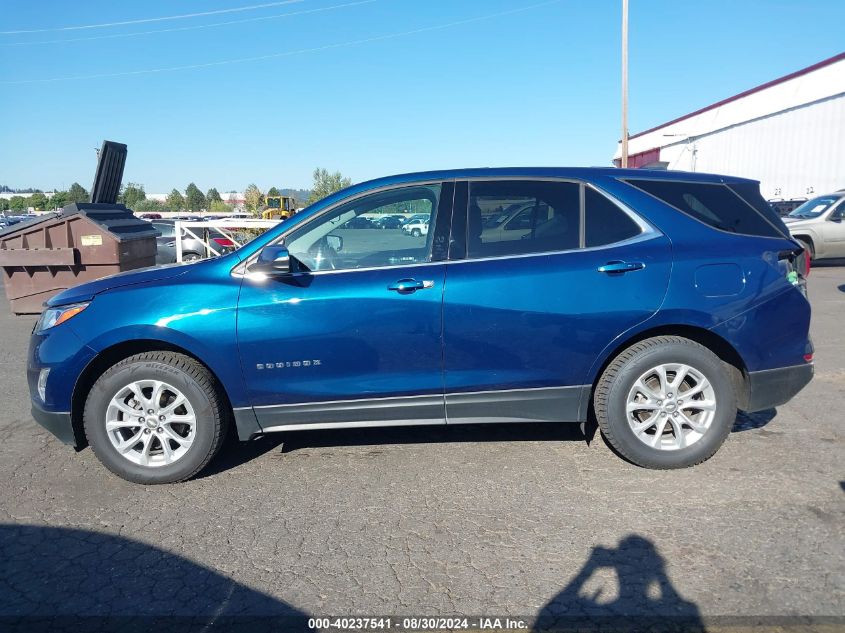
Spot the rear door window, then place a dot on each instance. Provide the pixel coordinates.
(714, 204)
(540, 217)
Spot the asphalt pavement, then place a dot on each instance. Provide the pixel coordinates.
(502, 520)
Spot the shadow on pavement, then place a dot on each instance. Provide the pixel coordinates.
(236, 453)
(58, 579)
(625, 588)
(540, 432)
(750, 421)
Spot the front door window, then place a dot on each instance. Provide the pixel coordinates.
(353, 235)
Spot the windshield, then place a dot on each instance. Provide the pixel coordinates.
(815, 207)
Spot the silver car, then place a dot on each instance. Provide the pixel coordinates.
(192, 248)
(819, 224)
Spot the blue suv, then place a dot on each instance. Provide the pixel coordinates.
(658, 302)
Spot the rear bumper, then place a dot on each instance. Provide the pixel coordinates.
(58, 424)
(774, 387)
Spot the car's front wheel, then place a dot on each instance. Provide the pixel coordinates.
(155, 418)
(665, 402)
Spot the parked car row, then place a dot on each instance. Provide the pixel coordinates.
(196, 218)
(9, 220)
(394, 221)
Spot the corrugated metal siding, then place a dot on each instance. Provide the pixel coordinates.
(794, 154)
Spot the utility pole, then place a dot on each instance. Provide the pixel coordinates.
(624, 161)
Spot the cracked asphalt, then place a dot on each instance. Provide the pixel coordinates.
(503, 520)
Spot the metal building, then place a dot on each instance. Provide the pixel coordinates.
(788, 133)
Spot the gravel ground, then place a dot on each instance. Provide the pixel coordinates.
(504, 520)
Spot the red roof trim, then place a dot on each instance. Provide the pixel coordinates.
(774, 82)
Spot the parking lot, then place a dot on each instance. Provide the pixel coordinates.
(505, 520)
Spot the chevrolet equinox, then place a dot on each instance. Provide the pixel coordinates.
(658, 302)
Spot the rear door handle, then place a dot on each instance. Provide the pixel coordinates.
(621, 267)
(407, 286)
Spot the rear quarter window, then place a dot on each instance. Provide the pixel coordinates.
(605, 223)
(714, 204)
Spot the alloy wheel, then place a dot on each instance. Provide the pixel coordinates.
(671, 406)
(150, 423)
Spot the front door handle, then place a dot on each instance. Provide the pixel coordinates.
(621, 267)
(407, 286)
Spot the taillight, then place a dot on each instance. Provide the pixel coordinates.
(798, 260)
(808, 358)
(223, 241)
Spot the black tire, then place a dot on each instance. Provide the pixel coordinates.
(182, 372)
(610, 401)
(416, 232)
(191, 257)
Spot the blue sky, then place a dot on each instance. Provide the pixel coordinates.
(366, 87)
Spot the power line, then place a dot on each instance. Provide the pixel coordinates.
(184, 16)
(241, 60)
(193, 28)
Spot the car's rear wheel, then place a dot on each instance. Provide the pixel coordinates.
(665, 402)
(191, 257)
(416, 232)
(155, 417)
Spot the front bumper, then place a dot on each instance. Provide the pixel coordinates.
(58, 423)
(774, 387)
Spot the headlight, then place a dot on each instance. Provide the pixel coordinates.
(55, 316)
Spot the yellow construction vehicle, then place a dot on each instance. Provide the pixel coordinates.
(279, 207)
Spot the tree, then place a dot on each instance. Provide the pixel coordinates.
(133, 194)
(194, 199)
(17, 203)
(4, 204)
(77, 193)
(273, 192)
(253, 198)
(326, 184)
(149, 205)
(213, 196)
(37, 201)
(59, 199)
(175, 201)
(218, 206)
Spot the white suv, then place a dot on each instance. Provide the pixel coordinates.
(819, 224)
(416, 228)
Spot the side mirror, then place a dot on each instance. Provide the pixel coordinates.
(334, 242)
(836, 216)
(272, 260)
